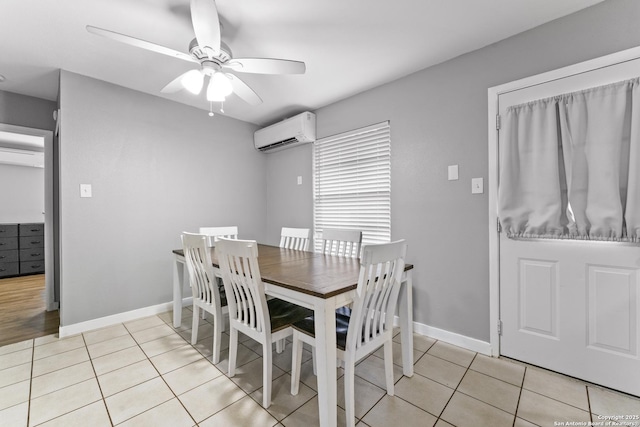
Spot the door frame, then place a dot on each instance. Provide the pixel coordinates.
(494, 236)
(49, 263)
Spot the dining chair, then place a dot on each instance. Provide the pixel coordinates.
(341, 242)
(265, 321)
(295, 238)
(370, 323)
(204, 286)
(214, 233)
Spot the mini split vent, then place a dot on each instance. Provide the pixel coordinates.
(287, 133)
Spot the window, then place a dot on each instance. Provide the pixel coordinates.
(352, 183)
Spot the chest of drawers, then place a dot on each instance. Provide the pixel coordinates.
(21, 249)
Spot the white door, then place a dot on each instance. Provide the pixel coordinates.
(572, 306)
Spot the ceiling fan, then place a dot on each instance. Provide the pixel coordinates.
(213, 56)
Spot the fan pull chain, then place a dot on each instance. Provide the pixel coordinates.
(222, 107)
(210, 109)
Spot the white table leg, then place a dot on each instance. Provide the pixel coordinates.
(178, 282)
(326, 354)
(406, 324)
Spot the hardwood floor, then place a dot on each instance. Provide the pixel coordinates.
(22, 310)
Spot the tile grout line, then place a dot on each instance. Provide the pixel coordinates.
(33, 345)
(519, 397)
(93, 368)
(394, 395)
(159, 375)
(456, 389)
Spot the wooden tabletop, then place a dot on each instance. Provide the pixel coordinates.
(312, 273)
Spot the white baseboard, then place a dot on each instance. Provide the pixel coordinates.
(463, 341)
(89, 325)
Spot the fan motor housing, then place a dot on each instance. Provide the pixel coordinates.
(201, 53)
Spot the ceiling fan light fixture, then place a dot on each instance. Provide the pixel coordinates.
(219, 88)
(193, 81)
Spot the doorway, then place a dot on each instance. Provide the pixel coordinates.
(569, 306)
(19, 145)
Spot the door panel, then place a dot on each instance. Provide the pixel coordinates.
(572, 306)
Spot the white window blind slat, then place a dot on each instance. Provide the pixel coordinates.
(352, 183)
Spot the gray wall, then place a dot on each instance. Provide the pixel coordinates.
(22, 188)
(439, 118)
(27, 111)
(157, 168)
(289, 204)
(22, 194)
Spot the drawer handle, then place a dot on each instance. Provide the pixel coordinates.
(2, 257)
(3, 269)
(35, 242)
(35, 229)
(34, 255)
(36, 266)
(2, 244)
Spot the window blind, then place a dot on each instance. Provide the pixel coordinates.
(352, 183)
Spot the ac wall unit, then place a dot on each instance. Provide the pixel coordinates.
(290, 132)
(18, 157)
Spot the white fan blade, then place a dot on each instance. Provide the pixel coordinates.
(266, 66)
(206, 25)
(241, 89)
(139, 43)
(177, 84)
(174, 85)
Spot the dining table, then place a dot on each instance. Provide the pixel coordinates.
(321, 283)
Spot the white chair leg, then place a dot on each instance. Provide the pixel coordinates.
(267, 374)
(280, 344)
(388, 366)
(349, 393)
(233, 350)
(296, 362)
(194, 325)
(218, 324)
(313, 360)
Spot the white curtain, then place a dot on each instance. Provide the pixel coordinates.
(532, 195)
(570, 166)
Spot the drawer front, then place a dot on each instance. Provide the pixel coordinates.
(7, 243)
(8, 256)
(31, 230)
(27, 267)
(33, 254)
(8, 230)
(8, 268)
(31, 242)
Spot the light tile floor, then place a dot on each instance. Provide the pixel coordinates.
(145, 373)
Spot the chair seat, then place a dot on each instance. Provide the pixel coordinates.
(307, 326)
(284, 313)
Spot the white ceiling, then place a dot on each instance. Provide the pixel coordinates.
(349, 46)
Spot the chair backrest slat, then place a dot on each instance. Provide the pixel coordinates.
(247, 303)
(341, 242)
(295, 238)
(215, 233)
(200, 268)
(376, 298)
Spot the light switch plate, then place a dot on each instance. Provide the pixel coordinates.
(453, 172)
(85, 190)
(299, 179)
(477, 185)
